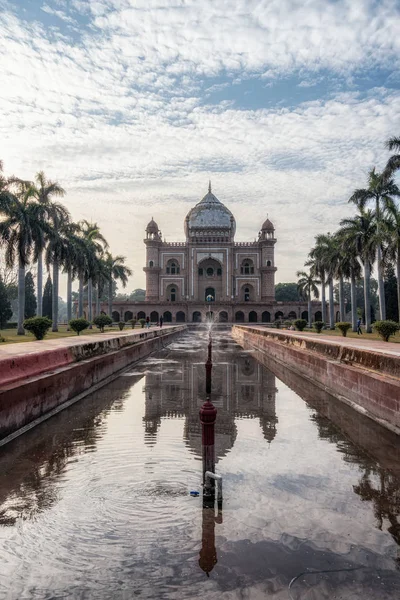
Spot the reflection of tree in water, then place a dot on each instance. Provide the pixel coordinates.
(385, 497)
(32, 465)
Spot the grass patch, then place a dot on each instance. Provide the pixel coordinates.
(11, 337)
(353, 334)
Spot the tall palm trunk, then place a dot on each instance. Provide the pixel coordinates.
(55, 296)
(97, 300)
(381, 285)
(21, 298)
(309, 308)
(331, 306)
(398, 279)
(353, 302)
(90, 301)
(40, 285)
(323, 301)
(69, 297)
(367, 296)
(110, 297)
(341, 300)
(80, 298)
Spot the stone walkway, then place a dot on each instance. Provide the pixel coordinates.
(24, 348)
(381, 347)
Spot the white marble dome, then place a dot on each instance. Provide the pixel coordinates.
(210, 214)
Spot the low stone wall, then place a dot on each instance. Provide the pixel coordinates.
(369, 381)
(71, 373)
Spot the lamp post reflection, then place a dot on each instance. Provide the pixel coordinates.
(208, 415)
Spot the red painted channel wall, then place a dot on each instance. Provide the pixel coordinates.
(367, 380)
(29, 398)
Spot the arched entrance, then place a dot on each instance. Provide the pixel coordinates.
(180, 317)
(292, 315)
(196, 318)
(115, 315)
(253, 317)
(266, 317)
(154, 316)
(141, 315)
(167, 317)
(278, 315)
(223, 316)
(209, 295)
(318, 315)
(304, 315)
(128, 315)
(239, 316)
(337, 316)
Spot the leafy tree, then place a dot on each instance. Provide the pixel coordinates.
(393, 164)
(344, 326)
(300, 324)
(39, 326)
(307, 286)
(392, 307)
(30, 298)
(116, 270)
(78, 325)
(386, 329)
(137, 295)
(359, 293)
(47, 310)
(102, 321)
(5, 306)
(284, 292)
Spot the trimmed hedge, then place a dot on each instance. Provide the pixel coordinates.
(39, 326)
(386, 329)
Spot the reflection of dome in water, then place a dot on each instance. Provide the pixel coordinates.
(208, 214)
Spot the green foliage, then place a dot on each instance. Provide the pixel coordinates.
(386, 329)
(286, 292)
(133, 323)
(30, 297)
(300, 324)
(137, 295)
(39, 326)
(102, 321)
(47, 304)
(318, 326)
(5, 305)
(121, 325)
(343, 326)
(288, 324)
(278, 323)
(359, 293)
(142, 322)
(79, 325)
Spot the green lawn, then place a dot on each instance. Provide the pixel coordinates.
(351, 334)
(11, 336)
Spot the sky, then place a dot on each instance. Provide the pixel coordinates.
(133, 105)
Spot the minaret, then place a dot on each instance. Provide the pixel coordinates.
(152, 269)
(267, 242)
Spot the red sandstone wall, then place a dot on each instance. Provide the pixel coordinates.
(369, 381)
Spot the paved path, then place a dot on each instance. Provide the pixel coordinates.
(24, 348)
(381, 347)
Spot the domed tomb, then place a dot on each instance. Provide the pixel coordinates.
(210, 218)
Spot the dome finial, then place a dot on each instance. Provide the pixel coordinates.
(209, 186)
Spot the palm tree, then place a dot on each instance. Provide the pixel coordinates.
(393, 163)
(306, 286)
(43, 190)
(56, 251)
(117, 271)
(380, 189)
(95, 245)
(351, 269)
(23, 232)
(392, 234)
(321, 254)
(360, 233)
(73, 259)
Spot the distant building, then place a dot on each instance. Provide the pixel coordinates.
(210, 272)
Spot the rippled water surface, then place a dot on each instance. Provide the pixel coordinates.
(94, 503)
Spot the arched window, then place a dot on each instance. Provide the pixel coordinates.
(247, 267)
(210, 272)
(173, 294)
(172, 267)
(219, 272)
(246, 294)
(151, 264)
(269, 264)
(200, 271)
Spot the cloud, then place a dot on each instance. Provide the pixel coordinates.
(119, 111)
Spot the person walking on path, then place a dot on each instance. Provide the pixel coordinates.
(161, 322)
(359, 330)
(147, 322)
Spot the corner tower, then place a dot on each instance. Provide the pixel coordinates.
(267, 243)
(152, 269)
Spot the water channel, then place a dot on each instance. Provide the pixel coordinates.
(95, 502)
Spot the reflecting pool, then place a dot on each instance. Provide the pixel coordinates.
(95, 502)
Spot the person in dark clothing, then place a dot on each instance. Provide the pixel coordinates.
(161, 322)
(147, 322)
(359, 330)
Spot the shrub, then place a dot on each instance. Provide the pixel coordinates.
(133, 323)
(386, 329)
(121, 325)
(288, 324)
(78, 325)
(102, 321)
(344, 326)
(12, 325)
(319, 325)
(142, 322)
(39, 326)
(300, 324)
